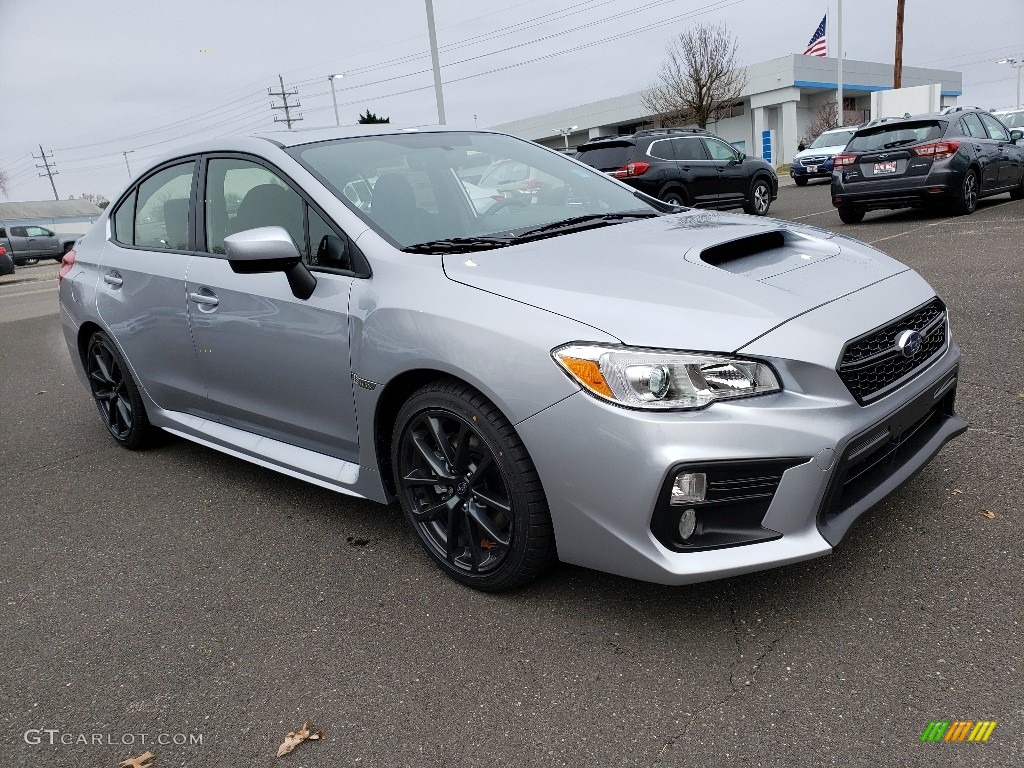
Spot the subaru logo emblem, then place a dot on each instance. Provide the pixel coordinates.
(462, 487)
(909, 343)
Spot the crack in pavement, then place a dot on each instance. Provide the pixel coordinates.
(735, 688)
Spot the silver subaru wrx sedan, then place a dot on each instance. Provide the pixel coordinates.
(554, 367)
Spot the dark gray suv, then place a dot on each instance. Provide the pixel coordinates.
(685, 166)
(949, 159)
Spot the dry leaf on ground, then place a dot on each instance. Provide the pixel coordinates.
(294, 738)
(142, 761)
(956, 491)
(987, 513)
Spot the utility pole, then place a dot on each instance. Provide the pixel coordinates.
(283, 94)
(433, 59)
(839, 77)
(126, 163)
(49, 171)
(897, 70)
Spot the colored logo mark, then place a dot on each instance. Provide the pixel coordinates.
(959, 730)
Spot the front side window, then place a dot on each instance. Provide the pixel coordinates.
(720, 150)
(161, 220)
(38, 232)
(995, 128)
(244, 195)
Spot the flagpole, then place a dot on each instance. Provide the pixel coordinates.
(839, 76)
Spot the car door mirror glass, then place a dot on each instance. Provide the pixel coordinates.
(1016, 135)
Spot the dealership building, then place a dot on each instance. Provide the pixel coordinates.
(782, 96)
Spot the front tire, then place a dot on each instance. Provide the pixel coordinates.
(801, 181)
(966, 201)
(469, 490)
(1017, 193)
(850, 214)
(117, 397)
(760, 199)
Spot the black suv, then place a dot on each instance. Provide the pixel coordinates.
(685, 166)
(949, 158)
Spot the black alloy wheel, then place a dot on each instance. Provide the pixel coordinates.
(469, 489)
(967, 196)
(760, 198)
(117, 398)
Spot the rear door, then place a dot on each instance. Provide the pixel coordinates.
(20, 244)
(698, 172)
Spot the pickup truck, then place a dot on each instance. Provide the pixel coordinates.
(29, 244)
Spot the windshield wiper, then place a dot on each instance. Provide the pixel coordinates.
(459, 245)
(577, 223)
(899, 143)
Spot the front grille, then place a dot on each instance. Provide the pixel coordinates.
(873, 365)
(813, 160)
(874, 457)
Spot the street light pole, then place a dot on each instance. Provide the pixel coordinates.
(1016, 64)
(433, 60)
(126, 163)
(334, 98)
(565, 135)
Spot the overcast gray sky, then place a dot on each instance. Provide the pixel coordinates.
(90, 80)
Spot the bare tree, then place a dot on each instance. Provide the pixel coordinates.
(700, 80)
(5, 181)
(96, 199)
(824, 120)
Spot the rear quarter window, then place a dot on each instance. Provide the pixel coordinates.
(893, 136)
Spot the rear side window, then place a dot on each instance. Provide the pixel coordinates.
(18, 232)
(161, 220)
(661, 150)
(607, 157)
(689, 149)
(896, 135)
(970, 125)
(995, 128)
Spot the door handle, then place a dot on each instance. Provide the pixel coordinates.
(113, 279)
(204, 299)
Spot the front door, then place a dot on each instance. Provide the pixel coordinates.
(733, 178)
(275, 365)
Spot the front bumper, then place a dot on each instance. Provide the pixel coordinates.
(603, 480)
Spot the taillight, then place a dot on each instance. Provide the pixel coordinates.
(937, 150)
(632, 169)
(2, 250)
(66, 264)
(841, 161)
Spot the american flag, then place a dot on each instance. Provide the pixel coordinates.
(818, 45)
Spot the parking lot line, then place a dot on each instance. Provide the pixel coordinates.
(25, 293)
(807, 216)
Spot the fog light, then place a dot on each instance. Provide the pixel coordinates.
(689, 488)
(687, 523)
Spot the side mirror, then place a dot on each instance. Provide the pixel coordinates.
(269, 249)
(801, 147)
(1016, 135)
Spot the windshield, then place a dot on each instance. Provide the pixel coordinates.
(832, 139)
(422, 187)
(1012, 119)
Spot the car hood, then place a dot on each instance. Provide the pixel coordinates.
(697, 280)
(835, 150)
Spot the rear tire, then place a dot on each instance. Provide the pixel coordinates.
(850, 214)
(966, 201)
(469, 490)
(760, 199)
(117, 397)
(674, 197)
(29, 262)
(801, 181)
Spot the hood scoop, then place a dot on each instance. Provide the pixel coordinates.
(764, 255)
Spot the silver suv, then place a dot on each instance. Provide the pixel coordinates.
(671, 395)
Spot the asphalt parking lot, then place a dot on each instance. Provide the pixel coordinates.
(181, 592)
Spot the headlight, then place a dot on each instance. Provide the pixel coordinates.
(660, 380)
